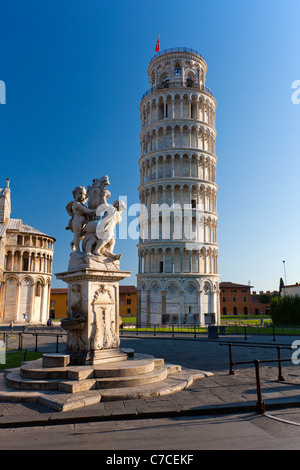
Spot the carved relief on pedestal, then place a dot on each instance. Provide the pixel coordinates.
(76, 321)
(104, 328)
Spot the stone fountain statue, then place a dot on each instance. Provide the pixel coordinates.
(93, 276)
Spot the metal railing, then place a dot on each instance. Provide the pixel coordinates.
(260, 404)
(6, 336)
(180, 84)
(177, 49)
(169, 329)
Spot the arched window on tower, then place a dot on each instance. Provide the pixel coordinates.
(25, 264)
(38, 289)
(189, 81)
(166, 81)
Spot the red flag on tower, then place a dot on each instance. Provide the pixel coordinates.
(157, 45)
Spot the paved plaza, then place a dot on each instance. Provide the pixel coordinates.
(221, 393)
(216, 412)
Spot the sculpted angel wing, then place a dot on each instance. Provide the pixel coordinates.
(69, 208)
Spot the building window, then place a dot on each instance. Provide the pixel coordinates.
(245, 299)
(233, 291)
(234, 299)
(25, 262)
(224, 299)
(224, 311)
(234, 311)
(129, 310)
(128, 301)
(52, 303)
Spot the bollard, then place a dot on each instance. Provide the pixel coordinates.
(20, 341)
(260, 404)
(231, 372)
(280, 376)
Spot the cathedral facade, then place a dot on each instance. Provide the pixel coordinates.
(26, 256)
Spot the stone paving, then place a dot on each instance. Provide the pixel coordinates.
(216, 394)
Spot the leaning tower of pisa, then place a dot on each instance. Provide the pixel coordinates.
(178, 279)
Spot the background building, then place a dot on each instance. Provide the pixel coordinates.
(58, 303)
(127, 301)
(235, 299)
(291, 290)
(178, 279)
(26, 256)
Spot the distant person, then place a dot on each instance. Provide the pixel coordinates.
(11, 326)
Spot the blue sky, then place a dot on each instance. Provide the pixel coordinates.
(75, 72)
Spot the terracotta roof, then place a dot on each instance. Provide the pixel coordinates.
(292, 285)
(232, 284)
(127, 289)
(59, 291)
(20, 226)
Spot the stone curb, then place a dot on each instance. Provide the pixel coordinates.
(57, 418)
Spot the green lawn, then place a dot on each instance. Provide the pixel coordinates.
(15, 358)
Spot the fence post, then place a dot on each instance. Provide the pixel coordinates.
(260, 405)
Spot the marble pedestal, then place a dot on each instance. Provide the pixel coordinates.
(93, 311)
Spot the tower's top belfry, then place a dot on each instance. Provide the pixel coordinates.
(176, 68)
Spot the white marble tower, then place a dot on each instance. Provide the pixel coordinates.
(178, 279)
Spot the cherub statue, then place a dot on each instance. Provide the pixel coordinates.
(99, 237)
(80, 214)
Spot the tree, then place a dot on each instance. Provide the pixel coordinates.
(285, 310)
(281, 285)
